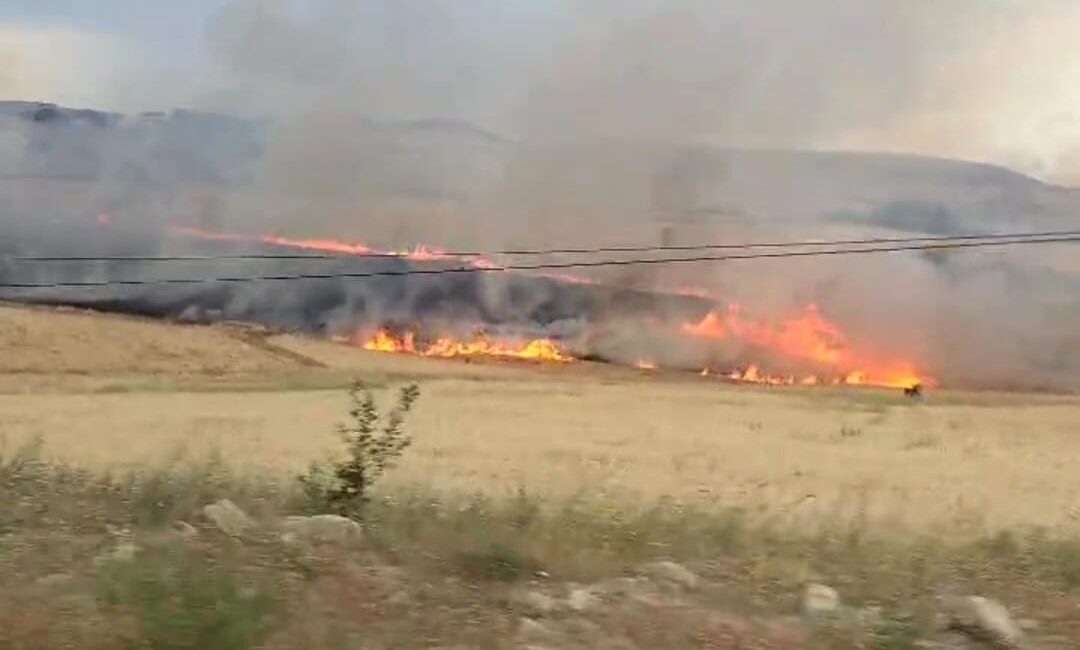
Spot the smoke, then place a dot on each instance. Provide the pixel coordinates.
(39, 62)
(477, 126)
(969, 79)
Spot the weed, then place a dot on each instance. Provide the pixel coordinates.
(896, 634)
(181, 600)
(497, 562)
(922, 441)
(373, 441)
(850, 432)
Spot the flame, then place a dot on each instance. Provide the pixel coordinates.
(320, 245)
(384, 341)
(448, 347)
(419, 253)
(808, 338)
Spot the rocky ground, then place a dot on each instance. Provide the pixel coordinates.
(161, 559)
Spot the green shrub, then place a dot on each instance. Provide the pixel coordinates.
(182, 600)
(373, 441)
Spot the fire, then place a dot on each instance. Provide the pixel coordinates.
(419, 253)
(808, 338)
(754, 375)
(320, 245)
(384, 341)
(448, 347)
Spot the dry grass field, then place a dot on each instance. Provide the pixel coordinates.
(106, 391)
(531, 511)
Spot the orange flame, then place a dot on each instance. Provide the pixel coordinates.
(384, 341)
(646, 364)
(448, 347)
(807, 338)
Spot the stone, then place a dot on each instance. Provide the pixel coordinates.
(984, 619)
(532, 631)
(321, 529)
(624, 586)
(672, 573)
(636, 590)
(229, 518)
(820, 602)
(535, 603)
(949, 641)
(184, 529)
(122, 552)
(581, 599)
(54, 581)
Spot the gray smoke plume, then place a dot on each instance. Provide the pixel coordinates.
(634, 122)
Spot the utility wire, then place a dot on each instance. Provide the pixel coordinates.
(541, 267)
(526, 253)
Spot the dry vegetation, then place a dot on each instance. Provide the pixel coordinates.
(522, 483)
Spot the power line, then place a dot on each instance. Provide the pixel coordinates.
(526, 252)
(540, 267)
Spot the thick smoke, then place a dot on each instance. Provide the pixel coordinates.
(633, 122)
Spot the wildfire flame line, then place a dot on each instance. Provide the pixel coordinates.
(448, 347)
(808, 338)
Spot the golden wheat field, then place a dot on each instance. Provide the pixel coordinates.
(107, 390)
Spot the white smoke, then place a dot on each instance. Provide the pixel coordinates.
(62, 64)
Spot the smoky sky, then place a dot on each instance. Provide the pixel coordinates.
(472, 126)
(983, 80)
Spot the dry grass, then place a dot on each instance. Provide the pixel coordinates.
(578, 474)
(449, 571)
(959, 462)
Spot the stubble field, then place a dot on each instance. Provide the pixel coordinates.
(108, 391)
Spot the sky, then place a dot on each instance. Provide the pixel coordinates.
(99, 53)
(112, 53)
(989, 80)
(164, 29)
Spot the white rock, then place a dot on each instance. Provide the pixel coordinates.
(325, 529)
(122, 552)
(820, 601)
(54, 580)
(184, 529)
(581, 599)
(535, 603)
(949, 641)
(1028, 624)
(671, 572)
(984, 619)
(532, 631)
(229, 518)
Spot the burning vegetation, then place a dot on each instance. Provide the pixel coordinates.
(449, 347)
(565, 317)
(817, 347)
(809, 340)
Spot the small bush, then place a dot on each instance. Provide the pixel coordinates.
(373, 442)
(183, 600)
(897, 634)
(497, 562)
(850, 432)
